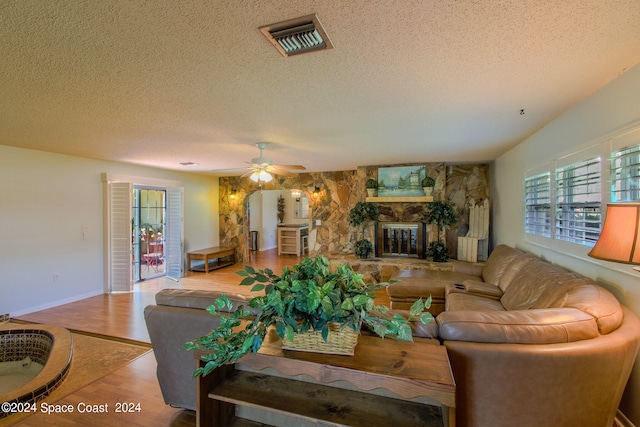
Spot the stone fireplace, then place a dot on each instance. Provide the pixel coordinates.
(402, 239)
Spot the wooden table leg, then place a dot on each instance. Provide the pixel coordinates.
(449, 416)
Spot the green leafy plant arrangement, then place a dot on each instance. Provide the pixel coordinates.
(371, 183)
(437, 251)
(305, 297)
(363, 248)
(359, 216)
(427, 181)
(444, 215)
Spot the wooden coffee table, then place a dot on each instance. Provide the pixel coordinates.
(208, 254)
(334, 389)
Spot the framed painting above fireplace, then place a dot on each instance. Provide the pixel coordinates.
(401, 181)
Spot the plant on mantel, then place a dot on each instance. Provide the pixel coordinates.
(443, 215)
(307, 296)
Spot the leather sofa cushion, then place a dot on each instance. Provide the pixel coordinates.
(414, 284)
(498, 262)
(534, 279)
(597, 302)
(469, 302)
(514, 268)
(546, 326)
(200, 299)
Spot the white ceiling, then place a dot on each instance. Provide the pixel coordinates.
(161, 82)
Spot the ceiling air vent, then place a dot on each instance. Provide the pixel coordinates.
(299, 35)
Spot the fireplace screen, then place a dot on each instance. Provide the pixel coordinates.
(400, 239)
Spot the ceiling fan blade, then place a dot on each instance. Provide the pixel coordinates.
(294, 167)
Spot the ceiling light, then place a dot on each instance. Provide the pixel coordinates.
(295, 193)
(261, 175)
(299, 35)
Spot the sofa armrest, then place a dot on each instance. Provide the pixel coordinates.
(466, 268)
(543, 326)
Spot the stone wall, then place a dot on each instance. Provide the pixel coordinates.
(338, 193)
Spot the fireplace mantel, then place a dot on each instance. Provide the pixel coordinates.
(409, 199)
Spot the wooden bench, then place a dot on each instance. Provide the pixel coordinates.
(209, 254)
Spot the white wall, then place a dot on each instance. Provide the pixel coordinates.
(263, 208)
(46, 199)
(612, 108)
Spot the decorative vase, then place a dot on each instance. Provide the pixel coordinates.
(427, 190)
(281, 217)
(371, 192)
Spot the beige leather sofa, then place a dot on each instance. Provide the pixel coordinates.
(531, 344)
(180, 316)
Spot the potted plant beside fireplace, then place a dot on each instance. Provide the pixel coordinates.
(360, 216)
(443, 215)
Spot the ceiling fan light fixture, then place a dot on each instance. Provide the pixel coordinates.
(261, 175)
(296, 36)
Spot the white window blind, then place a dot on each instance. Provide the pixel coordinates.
(625, 174)
(537, 203)
(174, 241)
(578, 192)
(119, 236)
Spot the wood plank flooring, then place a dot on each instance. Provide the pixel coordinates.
(120, 317)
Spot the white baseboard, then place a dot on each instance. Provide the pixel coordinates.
(56, 303)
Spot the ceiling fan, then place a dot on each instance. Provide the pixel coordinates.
(262, 168)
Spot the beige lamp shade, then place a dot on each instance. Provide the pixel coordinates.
(618, 240)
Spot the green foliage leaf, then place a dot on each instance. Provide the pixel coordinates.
(347, 304)
(247, 281)
(281, 329)
(261, 278)
(257, 288)
(360, 300)
(417, 308)
(426, 317)
(212, 310)
(325, 332)
(248, 344)
(223, 301)
(289, 333)
(404, 332)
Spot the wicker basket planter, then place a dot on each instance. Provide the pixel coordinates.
(340, 341)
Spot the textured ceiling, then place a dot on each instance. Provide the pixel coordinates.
(162, 82)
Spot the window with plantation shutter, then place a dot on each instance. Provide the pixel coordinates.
(625, 174)
(537, 203)
(578, 202)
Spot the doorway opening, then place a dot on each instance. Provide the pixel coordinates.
(148, 233)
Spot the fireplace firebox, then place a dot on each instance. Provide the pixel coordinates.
(403, 239)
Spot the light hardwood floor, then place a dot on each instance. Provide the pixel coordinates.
(120, 317)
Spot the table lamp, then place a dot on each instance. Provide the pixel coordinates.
(618, 241)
